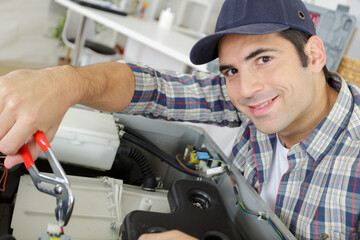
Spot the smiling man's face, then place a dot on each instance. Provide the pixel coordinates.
(267, 82)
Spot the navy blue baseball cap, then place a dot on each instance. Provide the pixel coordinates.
(252, 17)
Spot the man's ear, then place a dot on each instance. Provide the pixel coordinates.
(315, 51)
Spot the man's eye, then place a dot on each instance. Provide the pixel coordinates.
(263, 60)
(231, 72)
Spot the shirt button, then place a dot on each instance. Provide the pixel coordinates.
(324, 236)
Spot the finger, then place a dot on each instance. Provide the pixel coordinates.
(16, 137)
(7, 121)
(50, 134)
(34, 148)
(11, 161)
(173, 235)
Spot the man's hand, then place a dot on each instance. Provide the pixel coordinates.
(169, 235)
(31, 100)
(37, 100)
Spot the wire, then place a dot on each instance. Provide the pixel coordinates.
(276, 230)
(138, 135)
(242, 207)
(3, 177)
(217, 160)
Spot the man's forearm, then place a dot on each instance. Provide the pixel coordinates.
(107, 86)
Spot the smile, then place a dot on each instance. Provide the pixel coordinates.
(263, 108)
(263, 105)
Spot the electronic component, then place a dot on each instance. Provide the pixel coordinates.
(200, 161)
(54, 232)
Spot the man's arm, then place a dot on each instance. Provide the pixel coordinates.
(33, 100)
(108, 87)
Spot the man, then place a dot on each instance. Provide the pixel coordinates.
(298, 141)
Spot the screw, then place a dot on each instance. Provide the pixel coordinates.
(58, 189)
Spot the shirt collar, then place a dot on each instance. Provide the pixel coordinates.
(320, 141)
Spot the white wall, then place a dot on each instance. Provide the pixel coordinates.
(191, 18)
(25, 34)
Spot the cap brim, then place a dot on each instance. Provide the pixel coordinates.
(206, 49)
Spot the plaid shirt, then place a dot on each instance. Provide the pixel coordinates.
(319, 195)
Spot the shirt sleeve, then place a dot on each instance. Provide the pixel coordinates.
(199, 97)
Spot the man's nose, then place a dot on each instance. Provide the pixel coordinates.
(249, 84)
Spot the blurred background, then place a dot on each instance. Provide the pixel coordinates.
(28, 38)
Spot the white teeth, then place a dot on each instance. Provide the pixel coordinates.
(261, 106)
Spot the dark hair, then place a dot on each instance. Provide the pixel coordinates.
(299, 39)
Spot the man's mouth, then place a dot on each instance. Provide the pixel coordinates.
(263, 108)
(263, 105)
